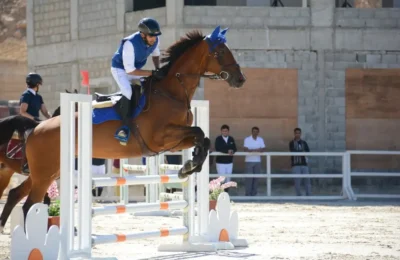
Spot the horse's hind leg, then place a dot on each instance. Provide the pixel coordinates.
(5, 177)
(37, 193)
(14, 196)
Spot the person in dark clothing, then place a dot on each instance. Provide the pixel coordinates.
(30, 104)
(225, 144)
(299, 163)
(98, 167)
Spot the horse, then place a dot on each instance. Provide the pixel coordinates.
(7, 171)
(163, 124)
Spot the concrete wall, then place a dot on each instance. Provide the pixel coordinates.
(12, 78)
(321, 42)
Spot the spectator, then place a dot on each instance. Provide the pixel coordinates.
(299, 163)
(253, 143)
(98, 168)
(225, 144)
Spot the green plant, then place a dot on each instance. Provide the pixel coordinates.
(217, 188)
(54, 208)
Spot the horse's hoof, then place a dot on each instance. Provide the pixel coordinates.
(182, 175)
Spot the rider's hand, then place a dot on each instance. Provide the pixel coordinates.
(37, 119)
(158, 74)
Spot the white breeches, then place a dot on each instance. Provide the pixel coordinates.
(224, 169)
(124, 81)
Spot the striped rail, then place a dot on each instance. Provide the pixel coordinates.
(116, 238)
(134, 167)
(142, 207)
(136, 180)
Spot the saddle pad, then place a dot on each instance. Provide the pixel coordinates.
(14, 149)
(104, 114)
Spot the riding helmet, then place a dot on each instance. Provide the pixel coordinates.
(33, 79)
(149, 26)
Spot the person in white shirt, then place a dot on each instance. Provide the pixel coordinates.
(253, 143)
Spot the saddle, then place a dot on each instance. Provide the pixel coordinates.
(16, 149)
(106, 97)
(110, 100)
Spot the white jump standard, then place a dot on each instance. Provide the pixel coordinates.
(202, 240)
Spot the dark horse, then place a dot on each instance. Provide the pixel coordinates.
(14, 166)
(164, 124)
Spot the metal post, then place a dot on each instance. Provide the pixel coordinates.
(67, 134)
(67, 159)
(124, 189)
(268, 175)
(202, 120)
(85, 175)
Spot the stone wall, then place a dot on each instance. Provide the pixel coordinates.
(321, 42)
(51, 22)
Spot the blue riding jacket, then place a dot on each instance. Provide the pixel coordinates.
(142, 51)
(34, 102)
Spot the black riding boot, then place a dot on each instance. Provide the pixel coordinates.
(126, 107)
(24, 162)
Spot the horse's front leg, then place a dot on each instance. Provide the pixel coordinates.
(185, 138)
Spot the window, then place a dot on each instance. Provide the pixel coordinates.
(139, 5)
(201, 2)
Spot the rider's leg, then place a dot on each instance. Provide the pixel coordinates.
(126, 103)
(24, 161)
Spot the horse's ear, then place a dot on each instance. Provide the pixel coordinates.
(66, 90)
(215, 33)
(76, 91)
(223, 32)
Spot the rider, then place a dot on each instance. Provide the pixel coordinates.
(31, 102)
(127, 64)
(30, 105)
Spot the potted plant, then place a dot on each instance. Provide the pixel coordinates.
(54, 208)
(216, 188)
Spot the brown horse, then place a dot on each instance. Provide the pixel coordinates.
(7, 171)
(164, 124)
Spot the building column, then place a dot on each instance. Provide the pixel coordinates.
(174, 13)
(322, 12)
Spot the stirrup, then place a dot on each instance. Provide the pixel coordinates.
(123, 138)
(25, 169)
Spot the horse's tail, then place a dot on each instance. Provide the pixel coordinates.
(14, 123)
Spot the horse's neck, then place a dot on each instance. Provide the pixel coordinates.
(189, 69)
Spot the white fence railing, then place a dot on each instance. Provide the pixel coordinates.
(345, 175)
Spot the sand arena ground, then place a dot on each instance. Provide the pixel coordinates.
(276, 230)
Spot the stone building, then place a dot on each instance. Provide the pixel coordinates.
(306, 66)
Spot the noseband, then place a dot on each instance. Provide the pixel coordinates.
(223, 75)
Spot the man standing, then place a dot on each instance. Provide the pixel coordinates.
(253, 143)
(299, 163)
(225, 144)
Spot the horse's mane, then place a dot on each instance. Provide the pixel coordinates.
(176, 50)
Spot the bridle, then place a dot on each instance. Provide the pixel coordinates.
(223, 75)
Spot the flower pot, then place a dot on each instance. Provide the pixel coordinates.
(53, 221)
(213, 204)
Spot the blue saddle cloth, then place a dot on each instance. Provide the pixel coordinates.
(101, 115)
